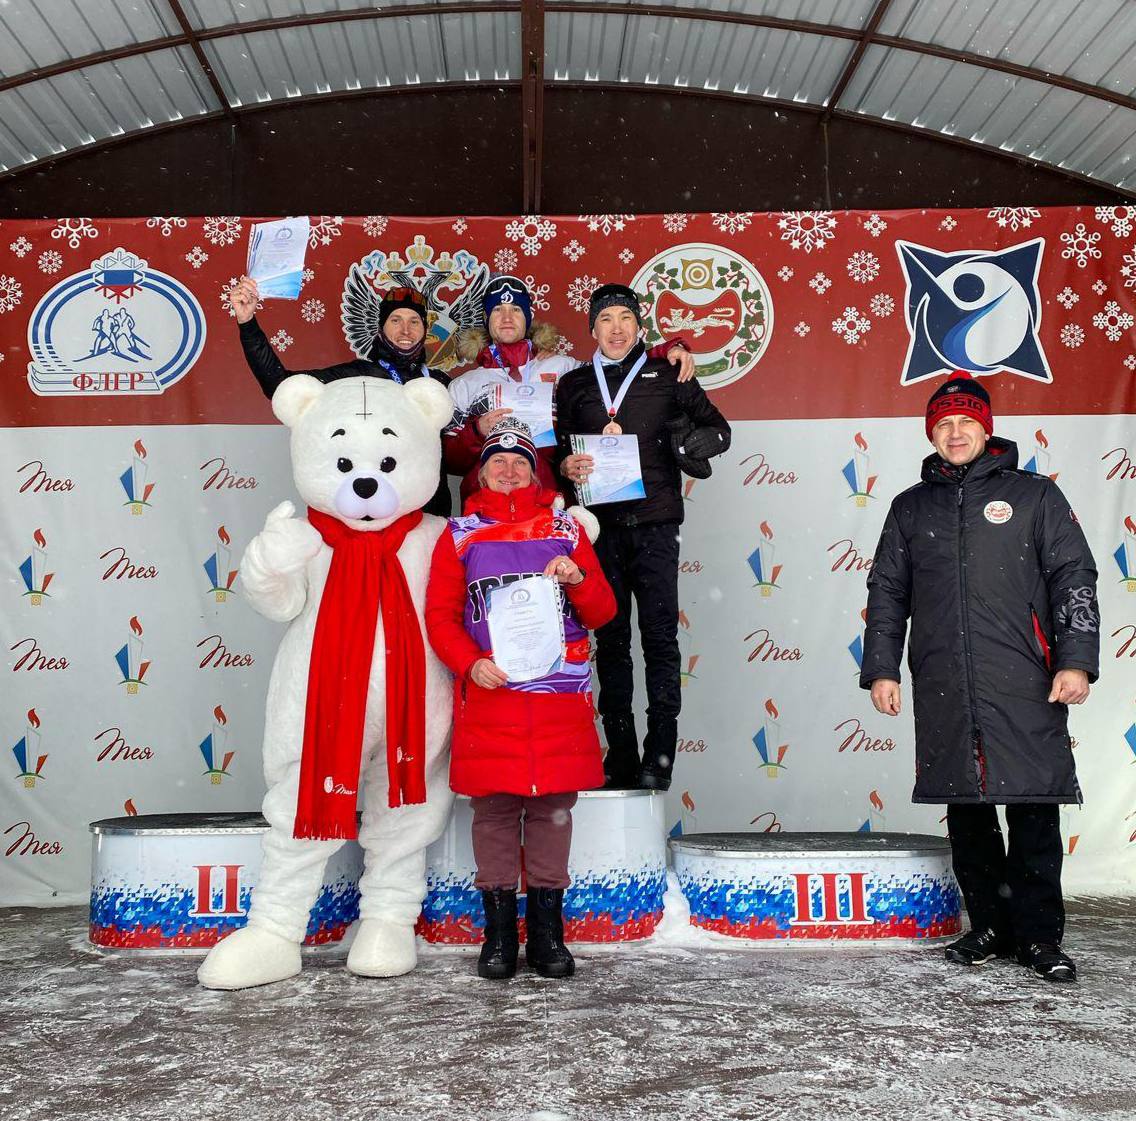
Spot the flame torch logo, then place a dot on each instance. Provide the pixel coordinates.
(26, 750)
(771, 747)
(212, 748)
(874, 822)
(761, 563)
(130, 661)
(133, 480)
(1126, 554)
(217, 567)
(34, 570)
(1039, 462)
(855, 472)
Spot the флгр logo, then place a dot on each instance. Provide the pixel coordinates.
(33, 569)
(130, 661)
(26, 751)
(717, 299)
(120, 327)
(974, 310)
(212, 748)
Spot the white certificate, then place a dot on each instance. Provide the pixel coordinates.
(526, 628)
(616, 474)
(276, 257)
(531, 402)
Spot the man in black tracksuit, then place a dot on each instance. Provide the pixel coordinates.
(991, 566)
(397, 354)
(638, 545)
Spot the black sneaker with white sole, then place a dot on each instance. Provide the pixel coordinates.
(1048, 961)
(976, 947)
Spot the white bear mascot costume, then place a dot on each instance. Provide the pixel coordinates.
(354, 671)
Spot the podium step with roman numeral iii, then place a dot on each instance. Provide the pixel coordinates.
(787, 886)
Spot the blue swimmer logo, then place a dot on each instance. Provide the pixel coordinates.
(973, 310)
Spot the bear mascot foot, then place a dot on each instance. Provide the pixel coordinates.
(249, 957)
(382, 949)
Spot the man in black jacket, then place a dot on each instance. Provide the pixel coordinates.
(397, 354)
(992, 568)
(625, 391)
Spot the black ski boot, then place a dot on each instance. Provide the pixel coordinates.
(1048, 961)
(621, 763)
(977, 947)
(498, 960)
(545, 951)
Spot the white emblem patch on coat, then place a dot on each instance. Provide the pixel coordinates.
(998, 513)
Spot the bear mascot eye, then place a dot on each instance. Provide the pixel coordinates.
(344, 465)
(387, 465)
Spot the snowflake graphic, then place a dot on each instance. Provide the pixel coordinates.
(574, 251)
(3, 356)
(948, 223)
(323, 228)
(282, 340)
(530, 232)
(863, 266)
(1130, 362)
(10, 294)
(312, 311)
(1072, 335)
(1067, 297)
(875, 225)
(785, 273)
(1118, 217)
(820, 284)
(881, 305)
(851, 325)
(1016, 217)
(1128, 269)
(607, 222)
(732, 222)
(375, 225)
(1112, 321)
(306, 276)
(73, 230)
(802, 328)
(580, 292)
(460, 226)
(222, 230)
(1099, 287)
(504, 260)
(675, 223)
(626, 256)
(806, 229)
(166, 225)
(1080, 245)
(21, 247)
(50, 261)
(197, 256)
(538, 292)
(226, 289)
(563, 346)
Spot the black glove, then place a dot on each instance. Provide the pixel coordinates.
(681, 430)
(702, 443)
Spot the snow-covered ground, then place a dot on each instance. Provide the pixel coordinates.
(685, 1027)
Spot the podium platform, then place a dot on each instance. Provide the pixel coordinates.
(861, 886)
(184, 881)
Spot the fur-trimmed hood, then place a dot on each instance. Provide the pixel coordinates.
(473, 340)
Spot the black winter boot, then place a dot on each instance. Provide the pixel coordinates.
(498, 960)
(545, 951)
(658, 753)
(621, 763)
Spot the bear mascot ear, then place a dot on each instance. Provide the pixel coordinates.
(294, 396)
(431, 399)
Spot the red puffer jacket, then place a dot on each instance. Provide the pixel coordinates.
(538, 737)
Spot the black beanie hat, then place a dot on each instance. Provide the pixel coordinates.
(961, 395)
(612, 295)
(395, 298)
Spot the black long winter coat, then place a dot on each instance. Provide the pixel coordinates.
(655, 397)
(998, 581)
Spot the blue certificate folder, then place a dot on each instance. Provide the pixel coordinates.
(276, 257)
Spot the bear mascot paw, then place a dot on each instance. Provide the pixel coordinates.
(358, 704)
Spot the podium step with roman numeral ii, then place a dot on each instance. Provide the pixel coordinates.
(863, 886)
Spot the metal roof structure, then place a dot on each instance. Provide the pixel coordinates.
(1051, 84)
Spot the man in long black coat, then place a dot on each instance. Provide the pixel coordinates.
(992, 568)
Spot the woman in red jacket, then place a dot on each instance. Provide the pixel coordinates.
(521, 750)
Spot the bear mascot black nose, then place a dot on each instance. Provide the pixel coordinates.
(365, 487)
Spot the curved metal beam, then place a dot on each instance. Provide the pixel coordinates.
(612, 87)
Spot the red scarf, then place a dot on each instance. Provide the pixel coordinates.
(365, 576)
(516, 354)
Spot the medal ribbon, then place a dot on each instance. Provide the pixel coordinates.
(396, 377)
(601, 379)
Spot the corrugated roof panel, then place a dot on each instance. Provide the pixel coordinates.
(38, 33)
(693, 54)
(222, 13)
(327, 58)
(1090, 41)
(80, 107)
(841, 13)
